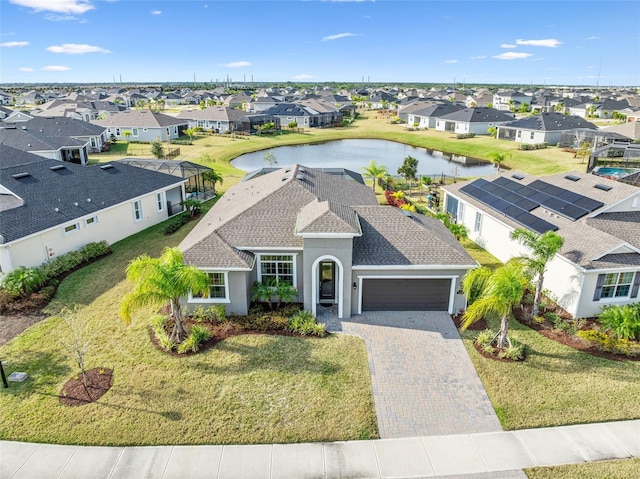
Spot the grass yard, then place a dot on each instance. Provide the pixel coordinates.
(248, 389)
(619, 469)
(556, 384)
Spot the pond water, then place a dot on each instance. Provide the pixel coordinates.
(356, 154)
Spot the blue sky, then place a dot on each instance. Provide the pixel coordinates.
(546, 42)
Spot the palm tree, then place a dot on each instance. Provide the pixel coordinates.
(190, 132)
(543, 248)
(161, 280)
(213, 177)
(374, 172)
(497, 292)
(499, 158)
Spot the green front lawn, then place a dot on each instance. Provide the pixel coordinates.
(619, 469)
(247, 389)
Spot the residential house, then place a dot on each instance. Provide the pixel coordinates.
(144, 125)
(472, 120)
(48, 208)
(5, 98)
(222, 119)
(328, 237)
(286, 113)
(541, 128)
(599, 219)
(427, 116)
(509, 100)
(62, 139)
(83, 110)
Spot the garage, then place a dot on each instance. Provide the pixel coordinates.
(405, 294)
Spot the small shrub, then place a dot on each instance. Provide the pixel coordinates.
(485, 337)
(464, 136)
(539, 319)
(197, 336)
(22, 281)
(528, 299)
(514, 351)
(623, 321)
(608, 343)
(158, 321)
(304, 323)
(200, 314)
(176, 223)
(487, 349)
(219, 312)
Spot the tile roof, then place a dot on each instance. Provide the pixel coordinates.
(56, 196)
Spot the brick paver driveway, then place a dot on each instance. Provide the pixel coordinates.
(423, 381)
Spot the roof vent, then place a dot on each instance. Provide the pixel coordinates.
(57, 167)
(300, 176)
(407, 214)
(302, 169)
(19, 176)
(572, 177)
(517, 176)
(602, 187)
(106, 167)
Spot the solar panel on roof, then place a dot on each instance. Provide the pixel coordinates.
(539, 197)
(588, 204)
(526, 204)
(569, 196)
(574, 212)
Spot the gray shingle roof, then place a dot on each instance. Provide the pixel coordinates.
(390, 237)
(266, 210)
(139, 119)
(477, 115)
(44, 190)
(550, 122)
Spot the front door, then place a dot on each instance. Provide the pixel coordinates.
(327, 272)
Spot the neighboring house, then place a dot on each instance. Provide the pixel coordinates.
(329, 114)
(48, 208)
(599, 219)
(328, 237)
(144, 125)
(5, 98)
(630, 129)
(222, 119)
(85, 111)
(17, 116)
(262, 103)
(381, 100)
(5, 112)
(427, 116)
(606, 108)
(472, 120)
(304, 116)
(63, 139)
(541, 128)
(507, 100)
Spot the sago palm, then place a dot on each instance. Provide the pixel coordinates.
(161, 280)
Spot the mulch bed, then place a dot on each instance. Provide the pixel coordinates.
(523, 315)
(479, 325)
(74, 393)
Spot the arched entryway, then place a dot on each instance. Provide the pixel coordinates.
(327, 283)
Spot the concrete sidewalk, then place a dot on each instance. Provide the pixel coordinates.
(463, 455)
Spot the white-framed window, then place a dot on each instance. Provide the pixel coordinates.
(137, 210)
(218, 289)
(117, 131)
(135, 132)
(175, 130)
(519, 134)
(460, 215)
(160, 201)
(532, 135)
(71, 228)
(616, 285)
(477, 224)
(280, 267)
(91, 221)
(93, 142)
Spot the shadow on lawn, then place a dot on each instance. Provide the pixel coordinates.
(44, 370)
(281, 353)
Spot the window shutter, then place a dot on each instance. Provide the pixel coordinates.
(636, 286)
(599, 283)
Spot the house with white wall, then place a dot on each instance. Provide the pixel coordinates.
(472, 120)
(48, 208)
(599, 219)
(143, 125)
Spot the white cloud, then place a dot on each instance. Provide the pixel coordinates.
(302, 76)
(14, 44)
(77, 7)
(548, 42)
(76, 49)
(235, 64)
(156, 12)
(63, 18)
(25, 69)
(512, 56)
(338, 36)
(451, 61)
(56, 68)
(507, 45)
(479, 57)
(593, 38)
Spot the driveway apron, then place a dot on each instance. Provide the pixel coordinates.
(423, 381)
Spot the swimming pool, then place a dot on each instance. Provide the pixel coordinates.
(613, 172)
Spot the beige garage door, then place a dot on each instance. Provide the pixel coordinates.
(405, 294)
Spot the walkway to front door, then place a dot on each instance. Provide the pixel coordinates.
(423, 381)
